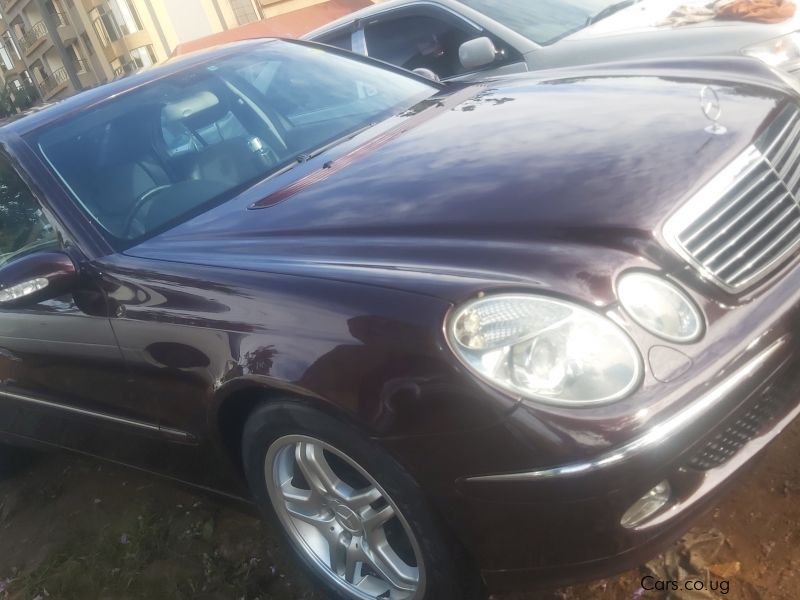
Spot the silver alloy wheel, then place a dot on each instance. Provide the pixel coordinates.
(343, 520)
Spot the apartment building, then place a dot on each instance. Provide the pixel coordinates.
(58, 47)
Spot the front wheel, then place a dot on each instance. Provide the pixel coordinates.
(356, 520)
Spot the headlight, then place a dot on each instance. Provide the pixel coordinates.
(778, 52)
(545, 350)
(660, 307)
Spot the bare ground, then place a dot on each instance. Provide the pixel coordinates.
(75, 529)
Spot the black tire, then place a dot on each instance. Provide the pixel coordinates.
(447, 574)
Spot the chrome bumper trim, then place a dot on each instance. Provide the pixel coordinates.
(654, 436)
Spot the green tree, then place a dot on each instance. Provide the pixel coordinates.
(22, 223)
(13, 100)
(7, 106)
(27, 96)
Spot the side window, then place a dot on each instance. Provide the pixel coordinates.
(340, 39)
(420, 41)
(23, 226)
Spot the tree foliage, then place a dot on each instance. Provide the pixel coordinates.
(20, 217)
(13, 101)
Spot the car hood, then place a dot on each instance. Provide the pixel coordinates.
(496, 179)
(651, 15)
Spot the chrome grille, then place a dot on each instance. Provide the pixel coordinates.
(746, 221)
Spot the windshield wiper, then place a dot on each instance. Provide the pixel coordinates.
(347, 137)
(610, 10)
(304, 157)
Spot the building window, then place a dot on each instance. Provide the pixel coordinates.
(105, 25)
(8, 51)
(87, 42)
(244, 11)
(56, 14)
(143, 56)
(5, 60)
(133, 61)
(75, 54)
(114, 19)
(127, 16)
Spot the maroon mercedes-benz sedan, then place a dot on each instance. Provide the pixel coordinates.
(449, 339)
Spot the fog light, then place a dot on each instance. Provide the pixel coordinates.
(646, 506)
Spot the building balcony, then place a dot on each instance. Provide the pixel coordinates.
(14, 68)
(66, 30)
(125, 70)
(90, 4)
(10, 6)
(88, 80)
(59, 18)
(33, 38)
(85, 73)
(53, 83)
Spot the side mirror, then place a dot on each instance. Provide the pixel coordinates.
(36, 278)
(477, 53)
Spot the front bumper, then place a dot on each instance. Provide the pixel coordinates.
(583, 538)
(557, 524)
(662, 432)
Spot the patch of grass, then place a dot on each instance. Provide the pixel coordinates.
(169, 555)
(101, 561)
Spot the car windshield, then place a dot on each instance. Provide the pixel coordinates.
(543, 21)
(153, 157)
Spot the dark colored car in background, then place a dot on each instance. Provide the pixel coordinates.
(489, 336)
(459, 39)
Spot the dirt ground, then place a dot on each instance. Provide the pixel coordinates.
(75, 529)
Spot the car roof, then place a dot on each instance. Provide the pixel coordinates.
(43, 115)
(292, 24)
(379, 8)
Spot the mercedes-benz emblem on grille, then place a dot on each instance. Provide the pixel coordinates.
(712, 109)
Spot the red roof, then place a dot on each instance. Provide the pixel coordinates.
(292, 24)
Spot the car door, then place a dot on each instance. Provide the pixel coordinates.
(62, 375)
(427, 37)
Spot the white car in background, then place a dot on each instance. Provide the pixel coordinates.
(472, 38)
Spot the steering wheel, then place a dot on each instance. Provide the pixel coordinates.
(142, 201)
